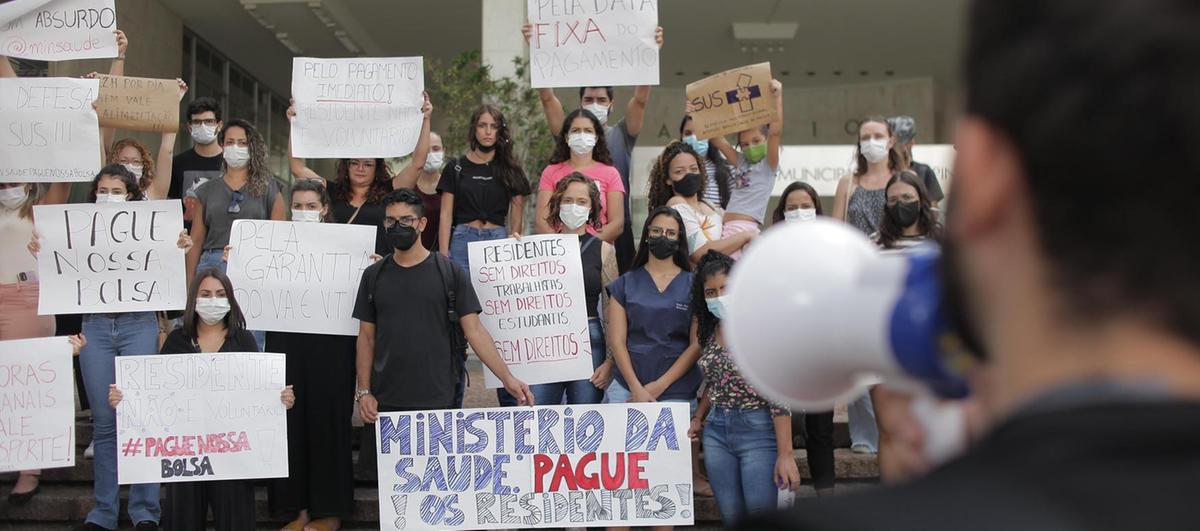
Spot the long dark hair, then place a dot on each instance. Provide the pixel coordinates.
(561, 188)
(796, 186)
(132, 187)
(681, 252)
(927, 221)
(260, 175)
(721, 175)
(660, 175)
(505, 162)
(712, 263)
(310, 185)
(895, 163)
(235, 322)
(562, 151)
(381, 185)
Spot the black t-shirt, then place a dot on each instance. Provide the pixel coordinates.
(189, 167)
(929, 178)
(479, 192)
(591, 253)
(370, 215)
(178, 342)
(414, 364)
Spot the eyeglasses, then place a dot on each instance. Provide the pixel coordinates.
(208, 121)
(406, 221)
(659, 231)
(902, 198)
(235, 203)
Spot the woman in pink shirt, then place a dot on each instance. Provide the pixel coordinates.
(581, 148)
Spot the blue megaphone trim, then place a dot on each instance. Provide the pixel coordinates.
(918, 326)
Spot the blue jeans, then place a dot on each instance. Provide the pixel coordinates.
(108, 336)
(739, 454)
(211, 259)
(863, 429)
(577, 391)
(464, 234)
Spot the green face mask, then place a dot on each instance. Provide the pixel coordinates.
(755, 153)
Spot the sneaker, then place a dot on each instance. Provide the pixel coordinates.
(146, 525)
(861, 448)
(90, 452)
(89, 526)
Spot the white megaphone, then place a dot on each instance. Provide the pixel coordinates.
(816, 313)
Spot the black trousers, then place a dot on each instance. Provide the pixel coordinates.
(818, 440)
(320, 370)
(625, 247)
(187, 504)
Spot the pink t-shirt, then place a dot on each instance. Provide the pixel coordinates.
(606, 177)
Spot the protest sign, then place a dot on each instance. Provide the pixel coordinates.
(299, 277)
(731, 101)
(531, 292)
(59, 30)
(357, 108)
(547, 466)
(592, 44)
(110, 257)
(201, 417)
(51, 133)
(139, 103)
(37, 404)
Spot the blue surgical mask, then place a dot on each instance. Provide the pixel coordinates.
(716, 305)
(699, 146)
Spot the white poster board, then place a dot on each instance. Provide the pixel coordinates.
(299, 277)
(532, 296)
(37, 404)
(533, 467)
(59, 30)
(363, 107)
(51, 132)
(201, 417)
(592, 44)
(110, 257)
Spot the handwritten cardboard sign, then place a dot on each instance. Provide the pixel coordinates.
(110, 257)
(299, 277)
(201, 417)
(534, 307)
(732, 101)
(59, 30)
(357, 108)
(50, 131)
(139, 103)
(37, 404)
(546, 466)
(592, 43)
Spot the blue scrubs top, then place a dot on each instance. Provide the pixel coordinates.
(658, 328)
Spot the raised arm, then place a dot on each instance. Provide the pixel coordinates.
(407, 178)
(118, 63)
(298, 166)
(726, 149)
(199, 232)
(775, 132)
(161, 185)
(550, 104)
(635, 111)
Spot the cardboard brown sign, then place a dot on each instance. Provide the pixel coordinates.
(138, 103)
(731, 101)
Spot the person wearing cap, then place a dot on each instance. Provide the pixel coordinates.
(905, 130)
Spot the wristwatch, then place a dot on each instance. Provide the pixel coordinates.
(358, 394)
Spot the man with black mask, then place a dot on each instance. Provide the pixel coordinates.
(1072, 263)
(417, 311)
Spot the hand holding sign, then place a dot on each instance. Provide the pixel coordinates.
(733, 101)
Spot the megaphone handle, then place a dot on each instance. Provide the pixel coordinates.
(944, 424)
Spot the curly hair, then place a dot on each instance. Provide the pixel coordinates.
(260, 176)
(381, 185)
(143, 153)
(561, 188)
(712, 263)
(660, 177)
(562, 151)
(927, 221)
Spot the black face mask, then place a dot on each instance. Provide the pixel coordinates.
(688, 186)
(662, 247)
(401, 237)
(904, 214)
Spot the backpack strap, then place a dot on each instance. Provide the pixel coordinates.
(587, 244)
(458, 341)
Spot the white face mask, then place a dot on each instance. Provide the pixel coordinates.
(135, 169)
(212, 310)
(236, 156)
(110, 198)
(306, 216)
(800, 214)
(13, 198)
(573, 216)
(434, 161)
(204, 134)
(581, 143)
(874, 150)
(601, 112)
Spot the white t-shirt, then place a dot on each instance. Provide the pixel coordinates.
(700, 228)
